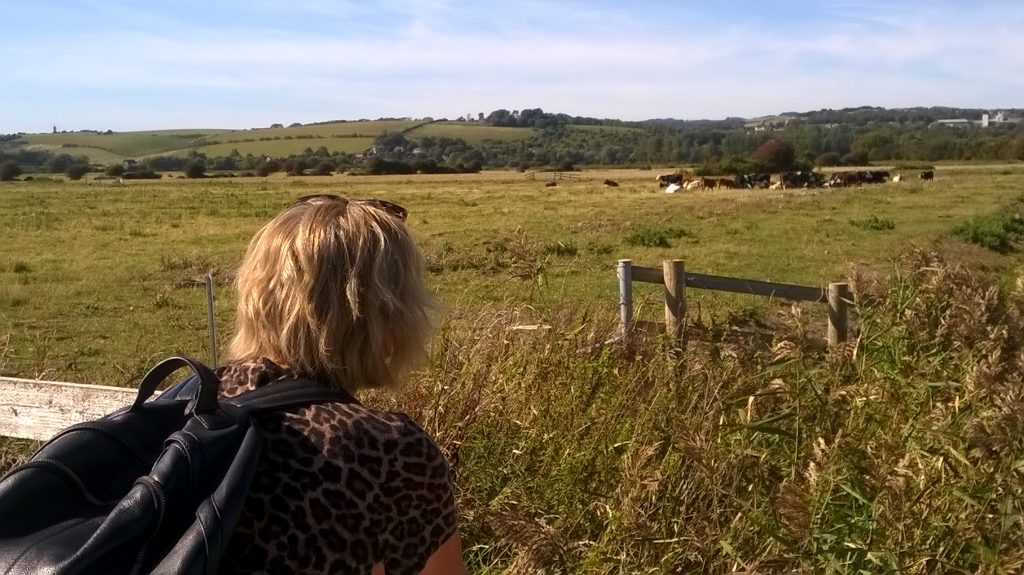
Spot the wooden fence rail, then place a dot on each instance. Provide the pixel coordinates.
(34, 409)
(674, 277)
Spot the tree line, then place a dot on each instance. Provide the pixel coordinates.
(851, 136)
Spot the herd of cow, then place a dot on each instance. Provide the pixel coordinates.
(786, 180)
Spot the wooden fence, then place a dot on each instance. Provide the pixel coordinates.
(531, 176)
(37, 409)
(34, 409)
(675, 279)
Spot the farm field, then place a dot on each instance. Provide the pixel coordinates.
(472, 133)
(122, 144)
(754, 451)
(350, 137)
(88, 267)
(282, 148)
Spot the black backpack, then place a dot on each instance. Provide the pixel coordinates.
(156, 487)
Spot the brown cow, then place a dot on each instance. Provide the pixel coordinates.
(727, 183)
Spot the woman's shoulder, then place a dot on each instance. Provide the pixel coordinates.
(345, 430)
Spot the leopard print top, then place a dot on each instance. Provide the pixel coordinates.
(339, 488)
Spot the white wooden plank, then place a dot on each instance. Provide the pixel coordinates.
(34, 409)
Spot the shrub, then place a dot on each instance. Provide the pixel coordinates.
(141, 175)
(114, 170)
(9, 170)
(655, 237)
(194, 169)
(997, 232)
(775, 155)
(561, 249)
(874, 223)
(323, 169)
(828, 159)
(76, 171)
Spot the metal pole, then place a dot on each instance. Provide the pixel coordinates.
(211, 320)
(625, 273)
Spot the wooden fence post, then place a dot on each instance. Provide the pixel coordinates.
(838, 294)
(675, 299)
(625, 273)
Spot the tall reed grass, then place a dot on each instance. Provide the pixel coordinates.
(902, 451)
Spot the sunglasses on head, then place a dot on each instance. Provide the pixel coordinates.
(389, 207)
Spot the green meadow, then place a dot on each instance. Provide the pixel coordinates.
(753, 451)
(95, 277)
(349, 137)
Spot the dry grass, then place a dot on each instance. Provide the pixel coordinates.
(899, 452)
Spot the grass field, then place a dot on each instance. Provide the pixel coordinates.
(126, 144)
(472, 133)
(350, 137)
(282, 148)
(488, 238)
(756, 452)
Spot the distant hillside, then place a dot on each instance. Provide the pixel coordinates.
(532, 138)
(340, 137)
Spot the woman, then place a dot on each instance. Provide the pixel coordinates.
(331, 289)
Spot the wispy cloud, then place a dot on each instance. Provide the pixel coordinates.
(320, 59)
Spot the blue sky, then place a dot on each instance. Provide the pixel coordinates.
(115, 64)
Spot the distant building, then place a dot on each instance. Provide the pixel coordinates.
(987, 120)
(55, 128)
(954, 123)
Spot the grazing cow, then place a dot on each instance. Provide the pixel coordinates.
(878, 176)
(611, 183)
(897, 178)
(667, 179)
(755, 180)
(927, 175)
(692, 185)
(727, 183)
(550, 184)
(708, 183)
(673, 188)
(793, 179)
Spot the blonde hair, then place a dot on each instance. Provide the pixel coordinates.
(332, 289)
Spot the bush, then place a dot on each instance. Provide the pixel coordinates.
(828, 160)
(265, 168)
(561, 249)
(76, 171)
(874, 223)
(9, 170)
(775, 156)
(655, 237)
(194, 169)
(323, 169)
(114, 170)
(997, 232)
(141, 175)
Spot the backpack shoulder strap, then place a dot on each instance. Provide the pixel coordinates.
(289, 393)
